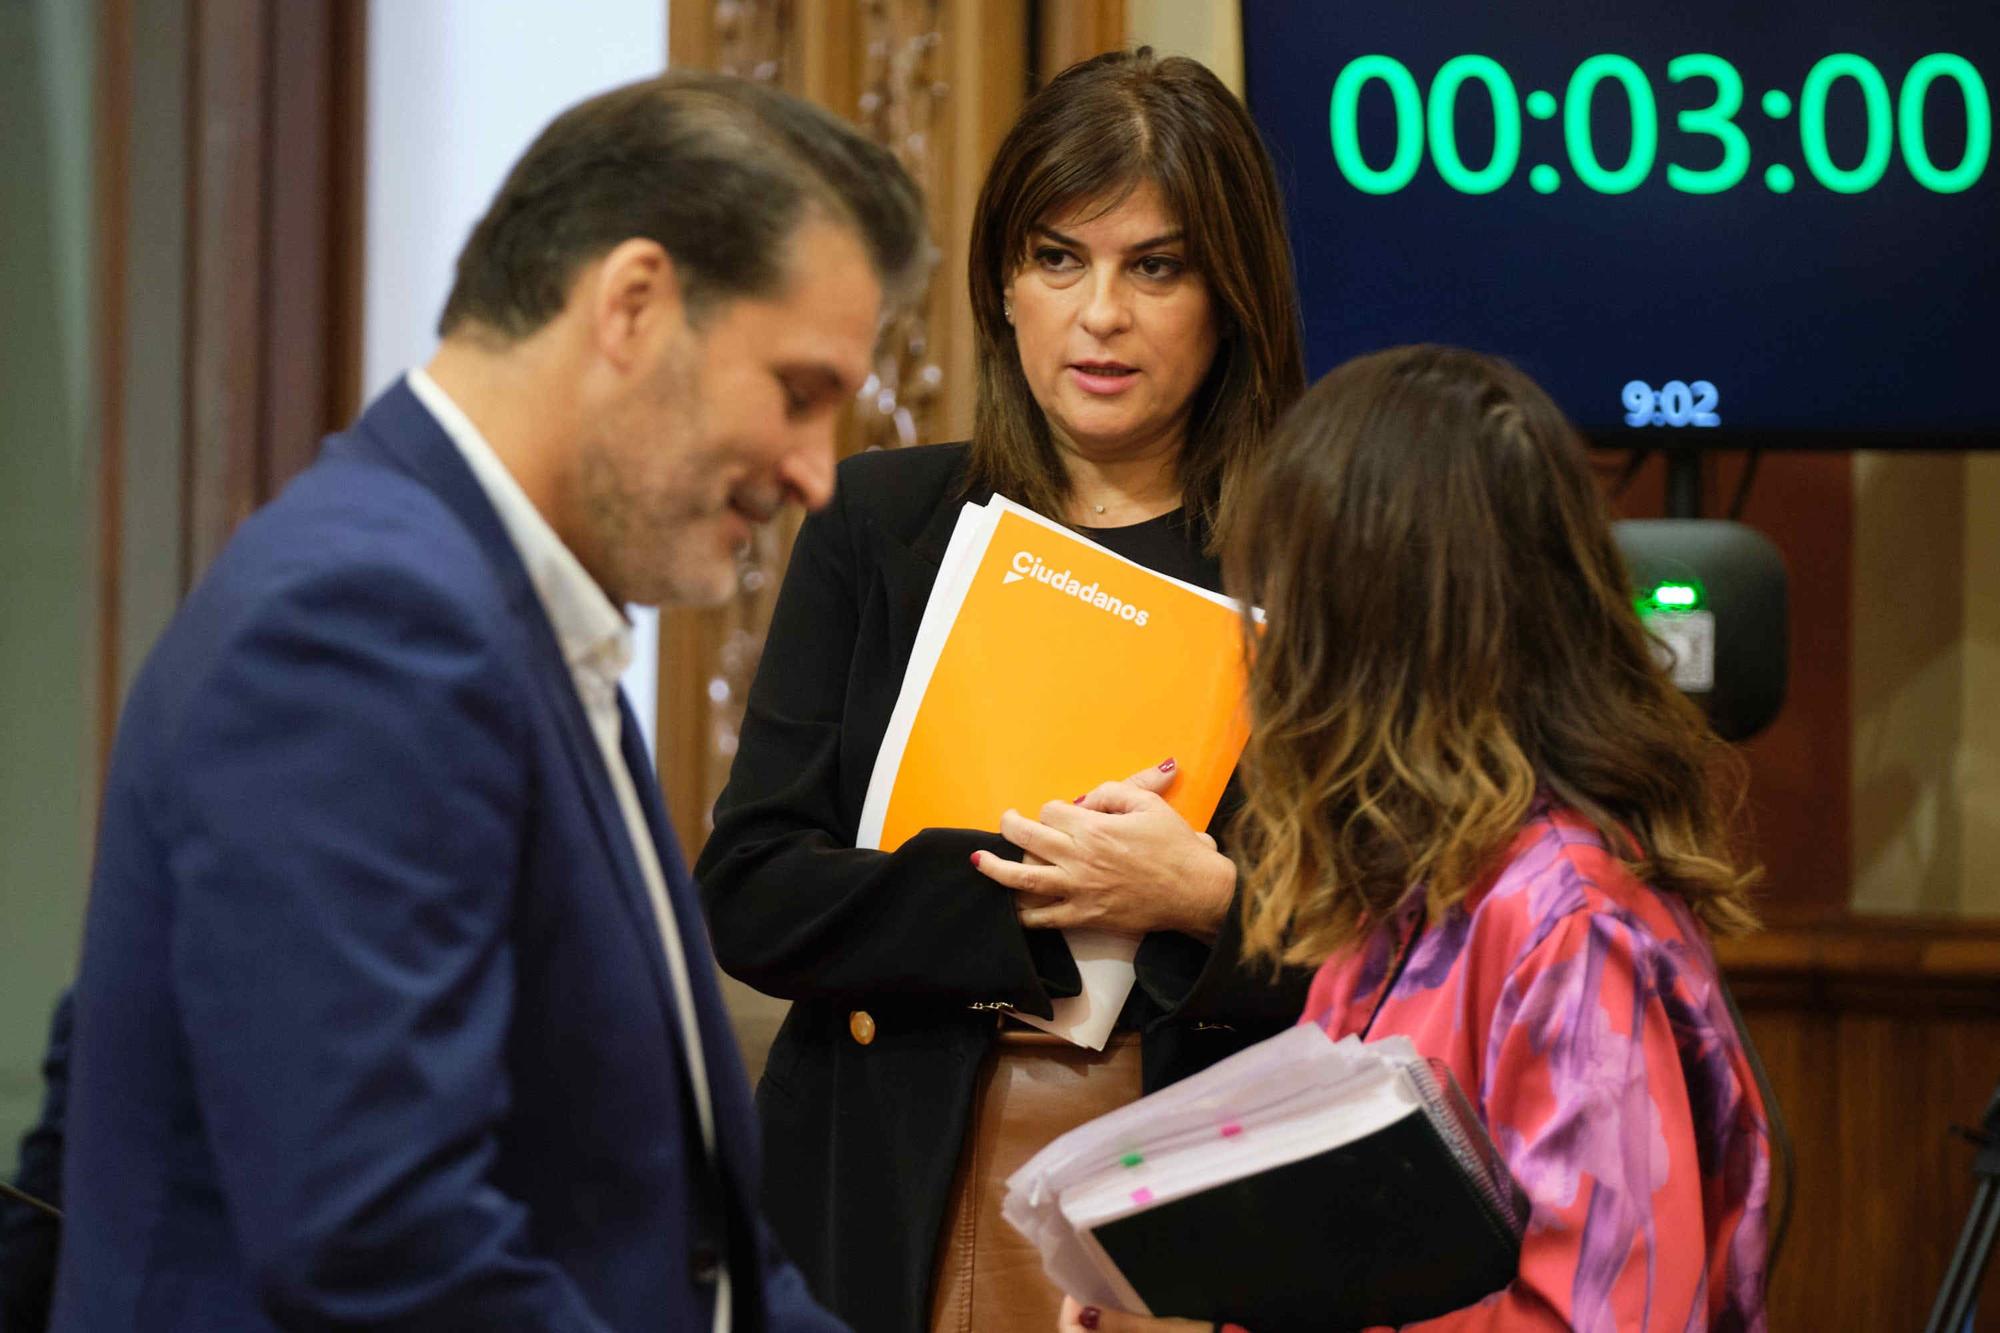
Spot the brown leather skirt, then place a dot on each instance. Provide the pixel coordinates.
(1033, 1088)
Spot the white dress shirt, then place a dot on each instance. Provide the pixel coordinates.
(597, 643)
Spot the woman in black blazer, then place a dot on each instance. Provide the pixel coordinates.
(1138, 335)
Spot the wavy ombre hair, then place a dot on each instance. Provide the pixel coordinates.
(1450, 633)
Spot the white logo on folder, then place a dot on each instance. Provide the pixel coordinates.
(1028, 565)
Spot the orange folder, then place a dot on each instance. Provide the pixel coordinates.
(1046, 664)
(1061, 665)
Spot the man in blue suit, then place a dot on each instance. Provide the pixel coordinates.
(396, 1008)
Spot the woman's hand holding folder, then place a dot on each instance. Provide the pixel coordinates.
(1120, 859)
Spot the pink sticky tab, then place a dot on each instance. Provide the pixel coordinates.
(1231, 1130)
(1142, 1196)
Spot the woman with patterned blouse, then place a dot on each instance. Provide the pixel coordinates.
(1476, 800)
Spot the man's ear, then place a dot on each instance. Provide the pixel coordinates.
(634, 299)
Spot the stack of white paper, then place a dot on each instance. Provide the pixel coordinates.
(1275, 1102)
(1301, 1184)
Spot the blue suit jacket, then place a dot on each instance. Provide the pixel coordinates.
(373, 1026)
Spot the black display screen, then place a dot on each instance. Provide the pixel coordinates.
(1768, 225)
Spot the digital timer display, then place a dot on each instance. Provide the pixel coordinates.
(1769, 225)
(1431, 121)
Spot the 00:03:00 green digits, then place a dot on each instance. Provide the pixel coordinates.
(1419, 121)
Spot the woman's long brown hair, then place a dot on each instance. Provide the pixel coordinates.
(1096, 131)
(1450, 632)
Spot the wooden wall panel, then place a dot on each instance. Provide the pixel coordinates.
(227, 282)
(256, 218)
(313, 219)
(111, 172)
(1067, 31)
(1878, 1036)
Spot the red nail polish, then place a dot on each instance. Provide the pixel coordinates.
(1167, 766)
(1080, 800)
(975, 858)
(1088, 1316)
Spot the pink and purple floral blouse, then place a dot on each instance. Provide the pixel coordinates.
(1580, 1012)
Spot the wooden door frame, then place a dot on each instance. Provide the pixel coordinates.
(265, 107)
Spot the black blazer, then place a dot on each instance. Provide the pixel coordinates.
(862, 1141)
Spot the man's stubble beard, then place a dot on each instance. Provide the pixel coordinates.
(654, 529)
(645, 504)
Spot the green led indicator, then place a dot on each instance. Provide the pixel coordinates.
(1671, 597)
(1131, 1159)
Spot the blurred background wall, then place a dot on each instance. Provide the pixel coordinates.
(47, 467)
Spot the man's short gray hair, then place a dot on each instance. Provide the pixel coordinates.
(720, 171)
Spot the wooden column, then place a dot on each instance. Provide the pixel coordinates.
(228, 267)
(111, 165)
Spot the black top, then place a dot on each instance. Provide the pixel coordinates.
(862, 1140)
(1164, 545)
